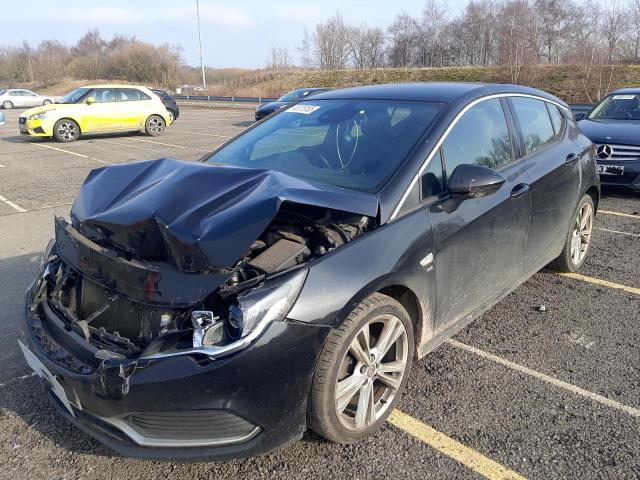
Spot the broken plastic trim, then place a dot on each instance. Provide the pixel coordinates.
(266, 304)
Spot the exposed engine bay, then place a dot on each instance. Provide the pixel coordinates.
(90, 284)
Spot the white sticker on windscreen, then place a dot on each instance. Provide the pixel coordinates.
(624, 97)
(306, 109)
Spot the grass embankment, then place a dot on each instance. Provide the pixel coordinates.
(565, 81)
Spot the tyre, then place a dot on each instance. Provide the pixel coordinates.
(172, 116)
(7, 105)
(66, 130)
(155, 125)
(47, 102)
(361, 371)
(578, 239)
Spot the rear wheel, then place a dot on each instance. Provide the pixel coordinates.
(155, 125)
(66, 130)
(578, 238)
(7, 105)
(46, 102)
(172, 116)
(362, 371)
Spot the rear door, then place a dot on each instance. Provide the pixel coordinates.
(552, 162)
(133, 108)
(479, 242)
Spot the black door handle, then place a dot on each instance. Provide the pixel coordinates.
(519, 189)
(572, 157)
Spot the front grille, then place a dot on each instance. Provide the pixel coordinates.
(22, 120)
(623, 152)
(211, 426)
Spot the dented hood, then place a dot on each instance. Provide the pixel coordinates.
(195, 215)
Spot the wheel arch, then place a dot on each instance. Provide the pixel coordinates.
(594, 193)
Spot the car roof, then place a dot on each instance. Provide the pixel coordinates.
(620, 91)
(106, 85)
(444, 92)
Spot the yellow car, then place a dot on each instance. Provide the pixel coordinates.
(97, 109)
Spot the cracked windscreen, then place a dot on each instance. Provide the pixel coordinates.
(355, 144)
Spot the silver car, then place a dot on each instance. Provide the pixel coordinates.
(20, 97)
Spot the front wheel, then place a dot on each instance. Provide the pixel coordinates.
(361, 371)
(66, 130)
(578, 238)
(155, 125)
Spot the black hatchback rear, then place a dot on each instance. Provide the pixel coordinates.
(169, 103)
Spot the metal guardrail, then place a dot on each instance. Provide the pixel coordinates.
(209, 98)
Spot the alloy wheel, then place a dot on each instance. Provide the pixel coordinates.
(371, 372)
(68, 131)
(581, 235)
(156, 126)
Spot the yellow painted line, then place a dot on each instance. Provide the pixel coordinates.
(619, 214)
(81, 155)
(467, 456)
(170, 145)
(547, 378)
(15, 206)
(599, 281)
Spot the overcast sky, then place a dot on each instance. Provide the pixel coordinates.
(234, 33)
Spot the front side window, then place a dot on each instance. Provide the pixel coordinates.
(481, 137)
(618, 107)
(105, 95)
(534, 122)
(356, 144)
(132, 94)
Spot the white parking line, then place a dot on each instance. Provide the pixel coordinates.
(12, 205)
(2, 166)
(81, 155)
(191, 132)
(620, 214)
(132, 146)
(170, 145)
(546, 378)
(618, 232)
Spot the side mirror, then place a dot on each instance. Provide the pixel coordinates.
(90, 100)
(580, 116)
(473, 181)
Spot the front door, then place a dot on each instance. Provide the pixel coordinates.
(479, 242)
(101, 115)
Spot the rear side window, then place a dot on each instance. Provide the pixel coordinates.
(558, 120)
(481, 137)
(132, 95)
(534, 122)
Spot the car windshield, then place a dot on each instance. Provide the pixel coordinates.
(73, 96)
(291, 96)
(355, 144)
(618, 107)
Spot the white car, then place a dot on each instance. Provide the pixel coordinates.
(20, 97)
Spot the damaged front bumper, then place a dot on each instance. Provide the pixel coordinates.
(187, 406)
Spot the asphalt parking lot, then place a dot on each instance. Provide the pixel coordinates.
(521, 392)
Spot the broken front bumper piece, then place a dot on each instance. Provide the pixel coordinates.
(186, 406)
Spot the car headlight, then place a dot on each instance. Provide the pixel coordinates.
(257, 308)
(39, 116)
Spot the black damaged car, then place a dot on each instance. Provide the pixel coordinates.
(289, 280)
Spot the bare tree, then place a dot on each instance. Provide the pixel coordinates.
(366, 46)
(278, 58)
(431, 48)
(614, 25)
(305, 50)
(330, 43)
(403, 39)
